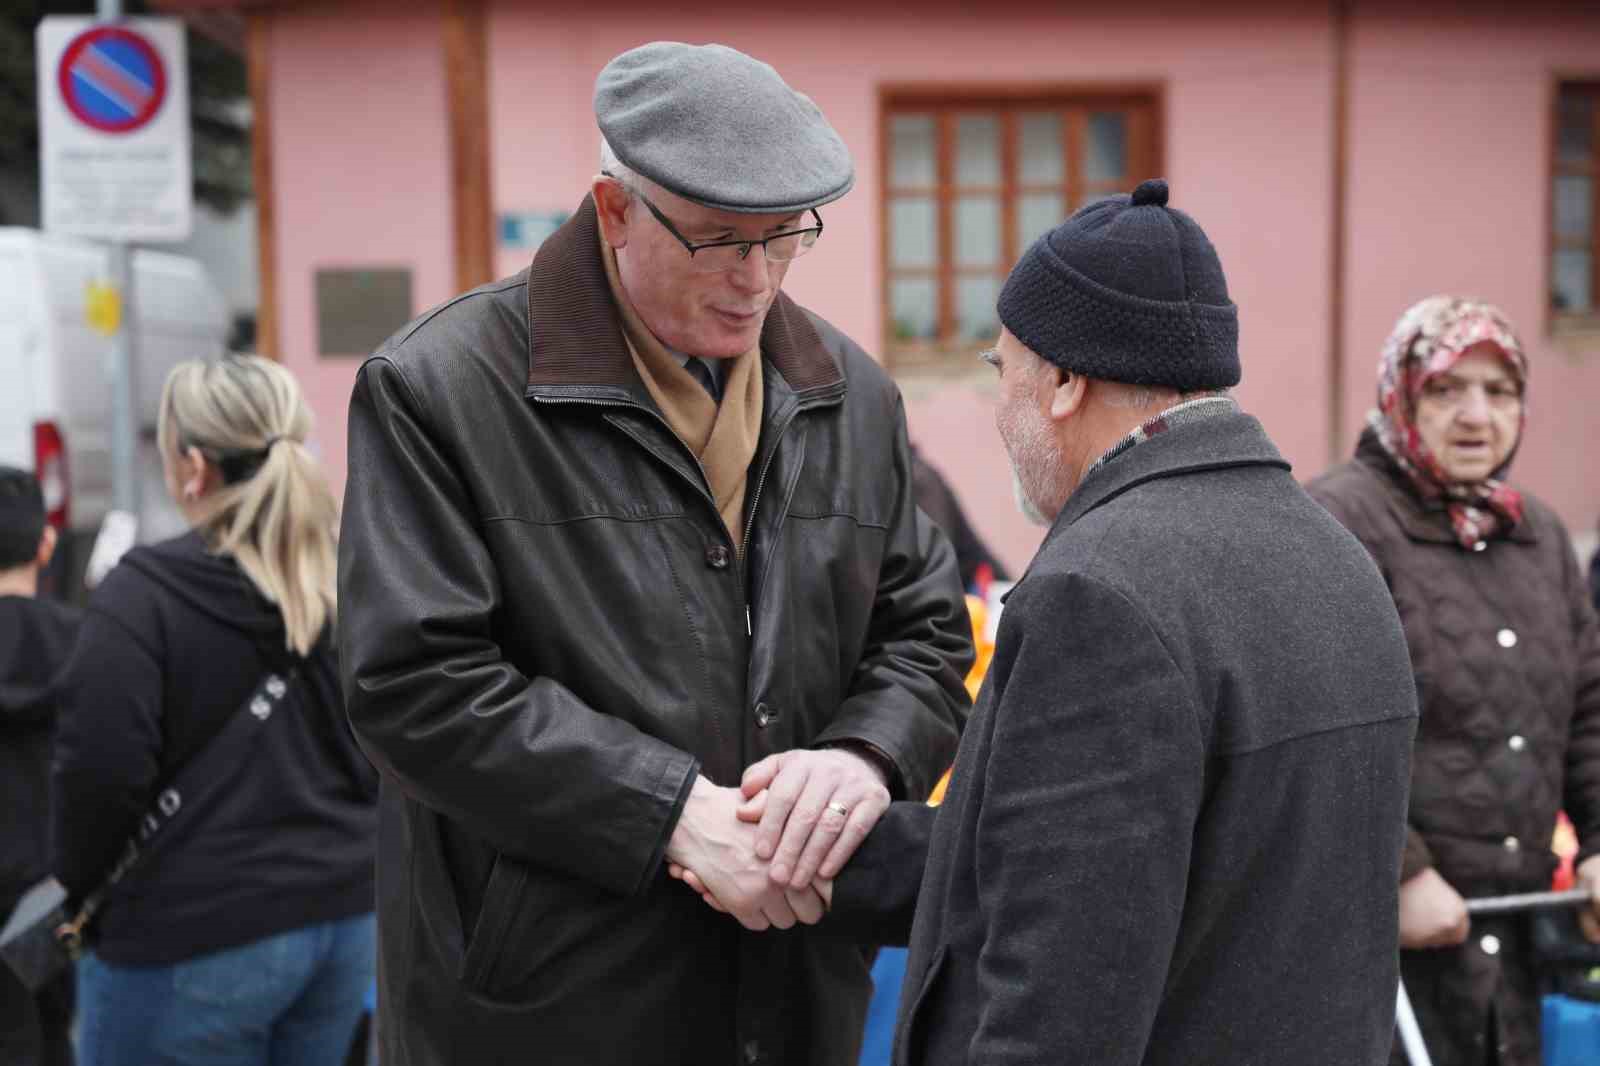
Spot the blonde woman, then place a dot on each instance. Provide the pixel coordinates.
(244, 935)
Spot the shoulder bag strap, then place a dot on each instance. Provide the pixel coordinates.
(234, 737)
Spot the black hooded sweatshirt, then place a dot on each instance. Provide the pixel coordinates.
(175, 640)
(35, 639)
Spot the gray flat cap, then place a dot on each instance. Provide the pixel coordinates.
(719, 128)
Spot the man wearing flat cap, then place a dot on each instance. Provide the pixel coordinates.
(1173, 831)
(616, 529)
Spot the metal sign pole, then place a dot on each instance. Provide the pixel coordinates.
(124, 390)
(123, 369)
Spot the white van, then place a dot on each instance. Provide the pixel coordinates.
(55, 396)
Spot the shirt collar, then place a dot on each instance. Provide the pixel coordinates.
(716, 366)
(1179, 414)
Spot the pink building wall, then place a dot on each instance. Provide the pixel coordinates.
(362, 176)
(1450, 148)
(1240, 126)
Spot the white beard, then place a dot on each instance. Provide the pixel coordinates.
(1024, 504)
(1035, 463)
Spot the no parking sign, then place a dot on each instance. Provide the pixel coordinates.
(114, 128)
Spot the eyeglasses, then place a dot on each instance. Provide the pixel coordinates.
(712, 257)
(1453, 392)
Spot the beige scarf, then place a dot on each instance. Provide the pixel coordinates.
(723, 437)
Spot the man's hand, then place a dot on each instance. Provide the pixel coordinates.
(809, 905)
(1588, 876)
(819, 807)
(1432, 914)
(711, 840)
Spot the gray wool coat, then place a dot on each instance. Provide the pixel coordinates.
(1175, 822)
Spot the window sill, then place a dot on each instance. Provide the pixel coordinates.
(924, 372)
(1576, 335)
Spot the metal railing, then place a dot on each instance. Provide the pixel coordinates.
(1406, 1018)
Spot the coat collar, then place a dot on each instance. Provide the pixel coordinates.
(575, 340)
(1227, 440)
(1424, 520)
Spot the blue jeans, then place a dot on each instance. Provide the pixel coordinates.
(288, 1000)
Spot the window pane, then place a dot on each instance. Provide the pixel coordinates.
(913, 232)
(978, 231)
(1108, 147)
(1037, 214)
(912, 148)
(1575, 138)
(912, 305)
(1041, 149)
(976, 316)
(978, 150)
(1574, 207)
(1572, 282)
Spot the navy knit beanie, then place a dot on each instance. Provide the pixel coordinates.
(1128, 290)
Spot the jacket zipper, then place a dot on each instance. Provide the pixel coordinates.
(750, 523)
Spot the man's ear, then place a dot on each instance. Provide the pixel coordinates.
(612, 201)
(47, 546)
(1071, 392)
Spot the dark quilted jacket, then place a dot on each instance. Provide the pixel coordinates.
(1506, 651)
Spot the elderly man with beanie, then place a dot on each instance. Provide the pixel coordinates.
(1176, 817)
(615, 529)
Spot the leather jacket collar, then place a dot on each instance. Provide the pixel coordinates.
(575, 341)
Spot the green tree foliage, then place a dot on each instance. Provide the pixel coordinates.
(218, 104)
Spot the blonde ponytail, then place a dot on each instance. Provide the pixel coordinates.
(274, 514)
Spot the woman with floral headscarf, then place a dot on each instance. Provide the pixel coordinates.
(1506, 651)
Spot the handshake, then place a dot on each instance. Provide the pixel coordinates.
(767, 852)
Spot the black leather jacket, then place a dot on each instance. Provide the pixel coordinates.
(546, 635)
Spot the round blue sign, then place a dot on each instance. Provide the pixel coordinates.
(112, 79)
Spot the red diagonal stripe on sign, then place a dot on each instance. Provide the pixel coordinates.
(106, 75)
(108, 72)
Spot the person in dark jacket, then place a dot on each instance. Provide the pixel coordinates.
(35, 637)
(1174, 824)
(615, 529)
(1506, 653)
(245, 933)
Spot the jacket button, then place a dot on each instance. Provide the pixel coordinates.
(1507, 638)
(1517, 742)
(1513, 844)
(765, 715)
(1490, 944)
(717, 557)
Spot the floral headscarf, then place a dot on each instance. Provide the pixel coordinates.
(1429, 339)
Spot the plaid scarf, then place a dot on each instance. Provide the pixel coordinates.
(1429, 339)
(1197, 410)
